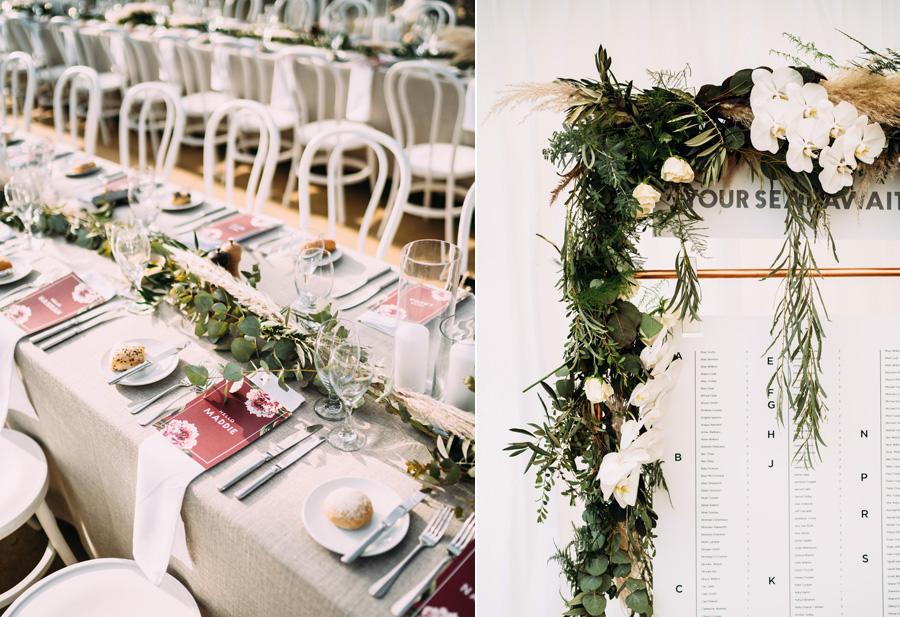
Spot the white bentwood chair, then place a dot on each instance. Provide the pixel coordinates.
(79, 79)
(194, 66)
(439, 164)
(299, 14)
(22, 494)
(239, 115)
(11, 68)
(335, 141)
(465, 228)
(165, 131)
(355, 15)
(439, 10)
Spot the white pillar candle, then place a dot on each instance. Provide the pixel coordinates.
(411, 356)
(461, 365)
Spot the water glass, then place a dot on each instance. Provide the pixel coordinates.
(332, 334)
(22, 196)
(142, 198)
(456, 363)
(353, 381)
(130, 246)
(313, 278)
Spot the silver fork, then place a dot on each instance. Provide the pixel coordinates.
(139, 407)
(429, 537)
(453, 550)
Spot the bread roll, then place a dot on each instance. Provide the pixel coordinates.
(348, 508)
(126, 357)
(5, 264)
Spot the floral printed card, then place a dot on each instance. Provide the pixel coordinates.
(454, 594)
(237, 227)
(53, 304)
(213, 426)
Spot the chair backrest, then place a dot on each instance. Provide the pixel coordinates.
(18, 34)
(438, 10)
(140, 55)
(242, 116)
(315, 68)
(353, 137)
(402, 101)
(11, 68)
(194, 64)
(250, 73)
(341, 12)
(244, 10)
(63, 34)
(465, 227)
(79, 79)
(150, 96)
(298, 14)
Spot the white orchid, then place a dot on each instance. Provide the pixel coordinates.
(867, 140)
(838, 162)
(620, 472)
(597, 390)
(808, 101)
(767, 128)
(843, 116)
(805, 138)
(770, 88)
(659, 352)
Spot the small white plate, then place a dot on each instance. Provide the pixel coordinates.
(333, 256)
(196, 200)
(149, 375)
(384, 499)
(21, 267)
(84, 174)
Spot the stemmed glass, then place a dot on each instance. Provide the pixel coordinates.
(313, 278)
(351, 381)
(21, 195)
(142, 198)
(130, 247)
(332, 335)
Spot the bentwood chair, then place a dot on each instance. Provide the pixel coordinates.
(354, 16)
(22, 493)
(79, 79)
(12, 67)
(387, 153)
(104, 588)
(440, 11)
(319, 92)
(165, 130)
(239, 115)
(438, 158)
(298, 14)
(193, 67)
(465, 228)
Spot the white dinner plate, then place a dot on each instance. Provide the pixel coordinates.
(21, 267)
(196, 200)
(149, 375)
(84, 174)
(384, 499)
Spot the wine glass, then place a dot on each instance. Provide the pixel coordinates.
(21, 195)
(332, 334)
(351, 381)
(130, 247)
(142, 198)
(313, 278)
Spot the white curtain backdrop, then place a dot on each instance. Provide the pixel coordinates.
(522, 328)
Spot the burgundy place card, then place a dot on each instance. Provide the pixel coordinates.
(53, 304)
(213, 426)
(237, 227)
(454, 594)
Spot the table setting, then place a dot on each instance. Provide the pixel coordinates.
(206, 330)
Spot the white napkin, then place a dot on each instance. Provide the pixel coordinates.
(469, 120)
(359, 92)
(12, 390)
(163, 475)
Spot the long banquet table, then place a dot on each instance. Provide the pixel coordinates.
(249, 558)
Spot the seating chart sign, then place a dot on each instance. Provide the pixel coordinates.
(746, 529)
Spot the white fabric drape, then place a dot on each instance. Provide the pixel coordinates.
(522, 327)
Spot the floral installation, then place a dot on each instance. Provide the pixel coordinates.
(260, 404)
(83, 294)
(630, 159)
(18, 313)
(181, 433)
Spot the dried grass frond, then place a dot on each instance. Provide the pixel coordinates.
(877, 96)
(742, 114)
(556, 96)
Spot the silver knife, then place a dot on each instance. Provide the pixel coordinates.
(74, 321)
(368, 295)
(408, 504)
(283, 463)
(375, 276)
(91, 323)
(171, 351)
(259, 459)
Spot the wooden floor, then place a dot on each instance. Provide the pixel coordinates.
(189, 173)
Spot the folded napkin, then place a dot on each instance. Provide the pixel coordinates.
(359, 92)
(163, 475)
(12, 390)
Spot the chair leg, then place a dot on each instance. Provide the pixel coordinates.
(104, 131)
(449, 235)
(48, 522)
(341, 205)
(370, 164)
(389, 204)
(292, 176)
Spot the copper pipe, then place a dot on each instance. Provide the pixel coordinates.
(753, 273)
